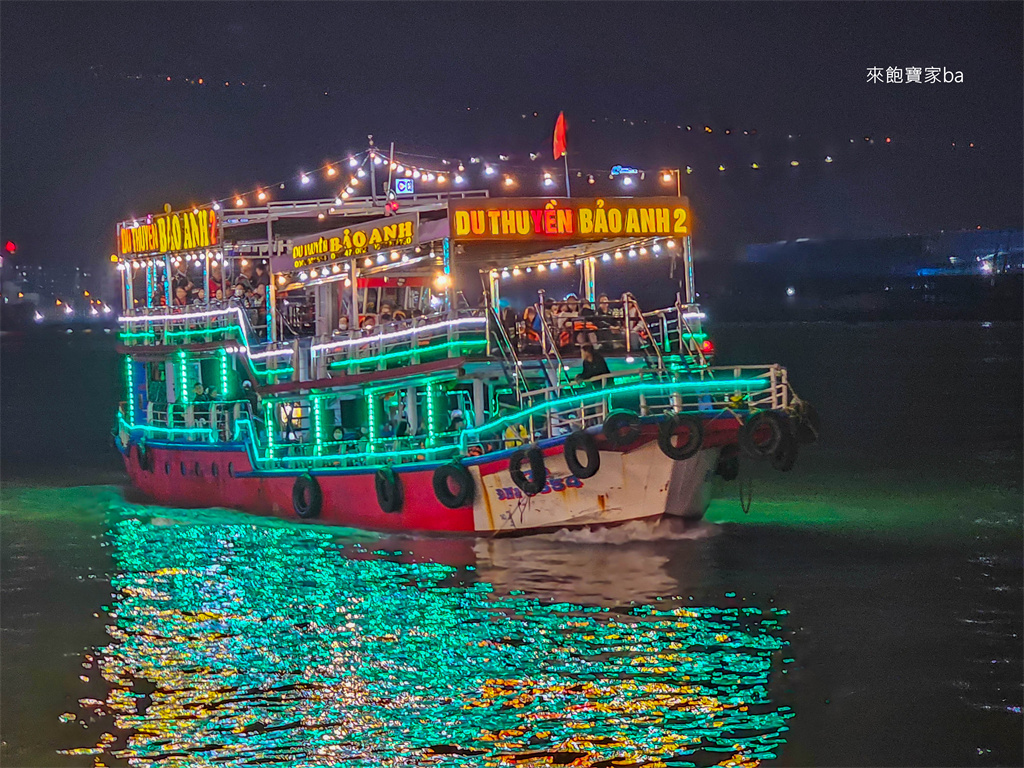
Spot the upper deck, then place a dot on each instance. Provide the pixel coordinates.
(315, 289)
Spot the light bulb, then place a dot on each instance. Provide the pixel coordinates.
(239, 202)
(458, 179)
(331, 170)
(305, 179)
(352, 162)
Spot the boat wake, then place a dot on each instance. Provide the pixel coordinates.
(664, 529)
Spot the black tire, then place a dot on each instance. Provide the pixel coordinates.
(785, 455)
(538, 472)
(669, 428)
(454, 474)
(728, 466)
(776, 423)
(389, 490)
(307, 498)
(621, 428)
(582, 441)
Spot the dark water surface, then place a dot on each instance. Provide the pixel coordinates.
(867, 611)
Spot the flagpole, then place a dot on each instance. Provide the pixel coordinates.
(565, 156)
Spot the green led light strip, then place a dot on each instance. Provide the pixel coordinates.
(371, 417)
(318, 439)
(268, 408)
(149, 428)
(204, 331)
(139, 335)
(469, 343)
(129, 375)
(610, 392)
(274, 371)
(431, 426)
(380, 455)
(223, 374)
(183, 377)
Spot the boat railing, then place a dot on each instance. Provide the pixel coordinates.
(554, 370)
(192, 324)
(635, 318)
(407, 342)
(511, 364)
(206, 422)
(716, 391)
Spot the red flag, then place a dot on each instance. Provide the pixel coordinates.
(559, 144)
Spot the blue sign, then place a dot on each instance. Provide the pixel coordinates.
(617, 170)
(404, 187)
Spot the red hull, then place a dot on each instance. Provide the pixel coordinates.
(200, 475)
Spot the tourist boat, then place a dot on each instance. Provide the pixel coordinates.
(370, 370)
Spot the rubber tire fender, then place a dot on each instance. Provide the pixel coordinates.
(533, 455)
(304, 483)
(777, 423)
(389, 490)
(667, 430)
(728, 466)
(621, 428)
(584, 441)
(463, 479)
(785, 455)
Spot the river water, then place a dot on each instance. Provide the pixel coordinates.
(866, 611)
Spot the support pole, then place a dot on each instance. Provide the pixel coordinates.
(688, 271)
(353, 310)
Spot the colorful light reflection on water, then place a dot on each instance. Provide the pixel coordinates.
(236, 643)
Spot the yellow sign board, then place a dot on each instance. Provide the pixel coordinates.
(568, 218)
(170, 232)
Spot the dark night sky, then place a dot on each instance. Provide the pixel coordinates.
(84, 144)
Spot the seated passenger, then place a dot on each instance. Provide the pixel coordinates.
(565, 336)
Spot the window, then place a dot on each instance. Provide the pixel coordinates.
(231, 469)
(199, 471)
(167, 467)
(183, 469)
(213, 469)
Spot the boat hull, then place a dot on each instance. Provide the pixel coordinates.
(634, 482)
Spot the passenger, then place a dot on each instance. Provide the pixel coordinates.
(458, 423)
(343, 324)
(250, 396)
(594, 364)
(565, 336)
(572, 305)
(180, 297)
(531, 326)
(200, 297)
(262, 276)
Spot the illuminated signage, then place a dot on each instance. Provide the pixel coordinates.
(169, 232)
(404, 187)
(540, 218)
(357, 240)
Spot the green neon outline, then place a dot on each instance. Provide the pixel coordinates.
(408, 352)
(597, 394)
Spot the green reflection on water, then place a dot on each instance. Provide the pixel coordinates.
(284, 644)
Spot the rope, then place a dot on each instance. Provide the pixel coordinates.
(745, 504)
